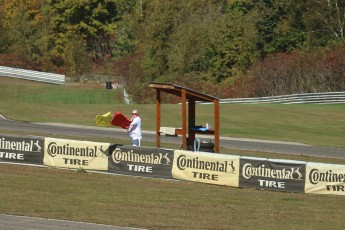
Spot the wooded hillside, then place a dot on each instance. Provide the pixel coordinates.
(227, 48)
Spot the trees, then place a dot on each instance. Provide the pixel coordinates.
(92, 21)
(209, 45)
(325, 21)
(4, 33)
(43, 29)
(22, 24)
(280, 26)
(202, 39)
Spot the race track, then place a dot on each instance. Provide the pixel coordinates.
(120, 134)
(10, 222)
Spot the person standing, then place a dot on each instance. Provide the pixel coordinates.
(134, 129)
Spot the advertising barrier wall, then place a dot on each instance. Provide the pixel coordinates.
(272, 174)
(325, 179)
(76, 154)
(212, 168)
(205, 167)
(141, 161)
(21, 149)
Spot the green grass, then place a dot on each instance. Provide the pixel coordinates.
(322, 125)
(159, 204)
(309, 123)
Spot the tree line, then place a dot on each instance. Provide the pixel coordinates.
(226, 48)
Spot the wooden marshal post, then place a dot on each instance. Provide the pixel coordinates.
(190, 96)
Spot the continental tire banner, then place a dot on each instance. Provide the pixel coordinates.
(76, 154)
(205, 167)
(141, 161)
(21, 149)
(271, 174)
(325, 179)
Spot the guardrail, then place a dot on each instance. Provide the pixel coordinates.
(32, 75)
(316, 98)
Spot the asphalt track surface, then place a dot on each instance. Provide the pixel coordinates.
(8, 222)
(120, 134)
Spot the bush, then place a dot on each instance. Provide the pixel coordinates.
(319, 70)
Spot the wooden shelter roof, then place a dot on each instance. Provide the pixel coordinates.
(177, 91)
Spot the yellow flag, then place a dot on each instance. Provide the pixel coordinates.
(103, 120)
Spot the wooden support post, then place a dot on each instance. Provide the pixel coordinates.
(158, 118)
(184, 119)
(216, 125)
(191, 121)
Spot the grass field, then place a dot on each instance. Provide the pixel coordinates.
(163, 204)
(160, 204)
(322, 125)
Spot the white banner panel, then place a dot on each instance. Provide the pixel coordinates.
(76, 154)
(325, 178)
(205, 167)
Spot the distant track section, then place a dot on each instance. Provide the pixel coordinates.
(315, 98)
(52, 78)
